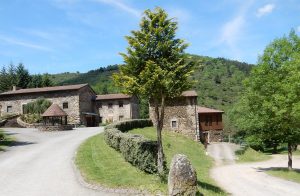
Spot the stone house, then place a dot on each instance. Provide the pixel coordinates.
(180, 114)
(183, 115)
(117, 107)
(78, 101)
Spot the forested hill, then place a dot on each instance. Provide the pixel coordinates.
(218, 83)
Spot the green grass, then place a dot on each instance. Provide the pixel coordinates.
(5, 140)
(293, 175)
(101, 164)
(250, 155)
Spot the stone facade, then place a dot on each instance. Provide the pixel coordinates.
(180, 115)
(78, 101)
(16, 102)
(117, 109)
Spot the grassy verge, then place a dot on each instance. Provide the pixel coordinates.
(250, 155)
(284, 173)
(101, 164)
(5, 140)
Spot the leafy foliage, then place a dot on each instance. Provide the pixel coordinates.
(37, 107)
(33, 110)
(136, 149)
(19, 76)
(269, 108)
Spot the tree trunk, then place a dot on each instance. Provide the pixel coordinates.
(290, 161)
(159, 126)
(274, 151)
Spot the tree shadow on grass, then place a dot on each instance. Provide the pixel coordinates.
(209, 187)
(10, 143)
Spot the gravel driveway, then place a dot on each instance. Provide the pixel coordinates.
(41, 163)
(250, 178)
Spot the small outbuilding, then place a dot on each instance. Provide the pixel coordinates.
(55, 119)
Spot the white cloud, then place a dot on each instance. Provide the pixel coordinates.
(266, 9)
(231, 30)
(122, 6)
(14, 41)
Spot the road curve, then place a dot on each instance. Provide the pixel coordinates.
(41, 163)
(249, 179)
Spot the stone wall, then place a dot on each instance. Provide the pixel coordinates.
(17, 101)
(182, 111)
(55, 128)
(86, 102)
(116, 113)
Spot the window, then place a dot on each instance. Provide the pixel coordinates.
(100, 104)
(120, 104)
(121, 117)
(9, 109)
(110, 105)
(217, 119)
(174, 124)
(65, 105)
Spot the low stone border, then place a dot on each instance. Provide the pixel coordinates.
(97, 187)
(24, 124)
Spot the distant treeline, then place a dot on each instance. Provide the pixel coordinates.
(12, 75)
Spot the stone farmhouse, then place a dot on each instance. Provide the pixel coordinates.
(80, 102)
(183, 115)
(117, 107)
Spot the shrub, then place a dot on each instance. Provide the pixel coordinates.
(136, 149)
(37, 107)
(2, 135)
(31, 118)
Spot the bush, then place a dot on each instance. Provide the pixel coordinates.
(37, 107)
(2, 136)
(31, 118)
(136, 149)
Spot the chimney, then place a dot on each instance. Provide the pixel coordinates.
(14, 88)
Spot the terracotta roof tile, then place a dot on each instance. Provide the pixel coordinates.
(45, 89)
(113, 96)
(54, 110)
(208, 110)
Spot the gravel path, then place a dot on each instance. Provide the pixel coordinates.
(250, 178)
(42, 163)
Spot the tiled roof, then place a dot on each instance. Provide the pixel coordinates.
(54, 110)
(190, 93)
(208, 110)
(45, 89)
(113, 96)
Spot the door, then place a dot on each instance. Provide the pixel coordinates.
(90, 121)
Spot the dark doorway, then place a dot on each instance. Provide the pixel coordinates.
(90, 121)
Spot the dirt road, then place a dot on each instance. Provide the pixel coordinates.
(249, 179)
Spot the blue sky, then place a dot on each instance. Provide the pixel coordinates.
(79, 35)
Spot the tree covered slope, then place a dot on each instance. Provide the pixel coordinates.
(218, 80)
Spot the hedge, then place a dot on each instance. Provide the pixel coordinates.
(136, 149)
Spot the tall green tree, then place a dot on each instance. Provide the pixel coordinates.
(22, 75)
(155, 67)
(269, 109)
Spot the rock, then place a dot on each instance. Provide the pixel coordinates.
(182, 177)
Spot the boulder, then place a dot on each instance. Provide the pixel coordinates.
(182, 178)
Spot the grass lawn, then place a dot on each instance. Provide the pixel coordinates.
(250, 155)
(284, 173)
(5, 140)
(101, 164)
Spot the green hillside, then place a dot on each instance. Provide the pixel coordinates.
(218, 81)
